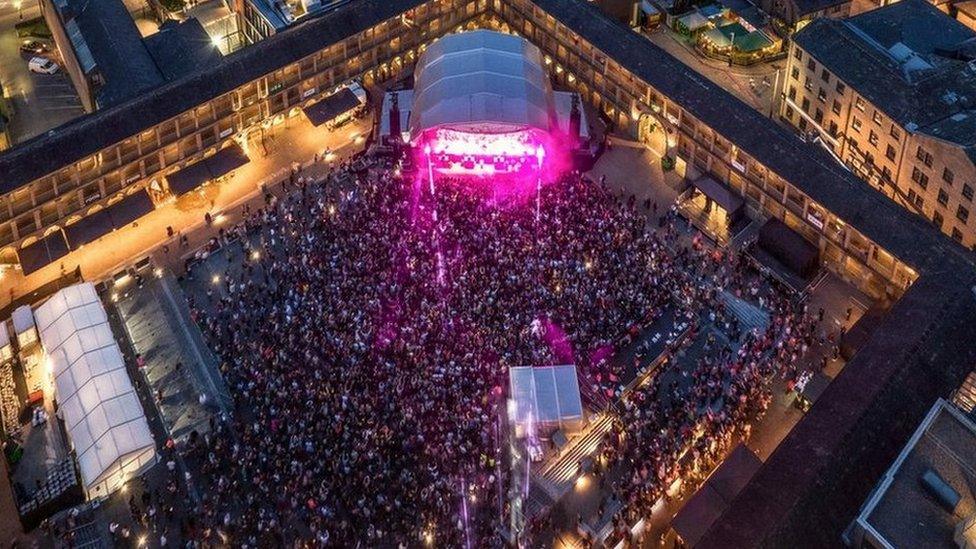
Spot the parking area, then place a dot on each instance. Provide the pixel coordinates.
(35, 102)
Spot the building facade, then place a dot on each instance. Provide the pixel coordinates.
(161, 132)
(58, 178)
(897, 114)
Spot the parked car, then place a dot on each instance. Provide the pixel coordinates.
(33, 46)
(42, 65)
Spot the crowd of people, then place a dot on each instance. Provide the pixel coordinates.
(367, 328)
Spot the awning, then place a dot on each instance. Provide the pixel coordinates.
(130, 209)
(648, 8)
(698, 515)
(693, 21)
(88, 229)
(715, 496)
(189, 178)
(789, 248)
(328, 109)
(722, 195)
(225, 161)
(43, 252)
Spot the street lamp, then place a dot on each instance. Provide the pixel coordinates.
(540, 155)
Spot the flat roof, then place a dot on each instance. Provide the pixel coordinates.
(900, 510)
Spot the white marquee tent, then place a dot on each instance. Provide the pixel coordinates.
(547, 397)
(101, 411)
(481, 80)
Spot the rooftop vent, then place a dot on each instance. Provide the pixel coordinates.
(940, 490)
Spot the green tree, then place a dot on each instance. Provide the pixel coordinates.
(173, 5)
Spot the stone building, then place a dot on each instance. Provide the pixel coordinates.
(892, 93)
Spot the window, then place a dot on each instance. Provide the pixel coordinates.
(967, 192)
(914, 198)
(811, 64)
(962, 214)
(919, 177)
(822, 95)
(937, 219)
(877, 117)
(840, 87)
(792, 93)
(833, 128)
(895, 132)
(956, 235)
(890, 153)
(795, 73)
(825, 76)
(859, 103)
(943, 197)
(886, 174)
(803, 124)
(856, 123)
(797, 53)
(789, 113)
(836, 107)
(818, 116)
(805, 105)
(924, 156)
(947, 175)
(807, 84)
(873, 138)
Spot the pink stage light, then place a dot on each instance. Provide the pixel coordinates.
(458, 153)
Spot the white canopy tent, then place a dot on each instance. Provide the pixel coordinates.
(6, 349)
(102, 414)
(23, 320)
(483, 81)
(546, 397)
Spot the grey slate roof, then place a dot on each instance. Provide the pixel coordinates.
(115, 46)
(873, 53)
(180, 48)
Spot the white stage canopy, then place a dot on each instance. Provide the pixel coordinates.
(101, 411)
(547, 396)
(483, 81)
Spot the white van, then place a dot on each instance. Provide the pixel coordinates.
(42, 65)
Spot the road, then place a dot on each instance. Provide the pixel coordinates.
(38, 102)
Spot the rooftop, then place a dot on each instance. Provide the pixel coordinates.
(910, 60)
(901, 510)
(283, 13)
(106, 40)
(180, 48)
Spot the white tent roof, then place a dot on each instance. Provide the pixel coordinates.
(481, 81)
(545, 394)
(101, 411)
(23, 319)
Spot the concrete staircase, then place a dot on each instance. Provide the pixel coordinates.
(558, 475)
(750, 316)
(965, 397)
